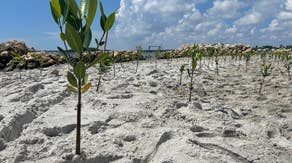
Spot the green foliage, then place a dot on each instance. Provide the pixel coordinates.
(182, 69)
(195, 55)
(247, 57)
(79, 70)
(106, 22)
(266, 69)
(287, 58)
(73, 39)
(72, 79)
(105, 63)
(55, 10)
(42, 61)
(76, 21)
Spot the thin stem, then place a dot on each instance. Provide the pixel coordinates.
(191, 86)
(78, 127)
(98, 84)
(180, 79)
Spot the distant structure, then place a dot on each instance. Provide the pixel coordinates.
(154, 46)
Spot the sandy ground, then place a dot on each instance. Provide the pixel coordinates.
(145, 117)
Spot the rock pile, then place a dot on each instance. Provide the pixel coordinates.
(15, 54)
(228, 49)
(16, 46)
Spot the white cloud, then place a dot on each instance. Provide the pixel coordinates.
(174, 22)
(250, 19)
(288, 5)
(225, 8)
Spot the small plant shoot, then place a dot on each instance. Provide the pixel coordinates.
(195, 55)
(138, 56)
(181, 70)
(265, 71)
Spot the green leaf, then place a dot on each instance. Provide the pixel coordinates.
(74, 21)
(87, 38)
(72, 89)
(101, 8)
(74, 8)
(102, 22)
(79, 70)
(72, 80)
(64, 10)
(85, 79)
(84, 8)
(56, 10)
(91, 13)
(73, 39)
(110, 21)
(102, 17)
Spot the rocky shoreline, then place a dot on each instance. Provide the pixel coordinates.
(16, 55)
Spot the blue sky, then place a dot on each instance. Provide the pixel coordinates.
(31, 21)
(168, 23)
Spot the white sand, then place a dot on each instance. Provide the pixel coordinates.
(145, 117)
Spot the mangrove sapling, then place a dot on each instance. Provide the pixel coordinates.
(181, 70)
(105, 63)
(217, 62)
(239, 59)
(247, 59)
(69, 16)
(288, 64)
(157, 56)
(265, 71)
(138, 56)
(167, 55)
(210, 53)
(195, 55)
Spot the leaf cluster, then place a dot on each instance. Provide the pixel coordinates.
(78, 78)
(182, 68)
(105, 63)
(75, 30)
(266, 69)
(139, 52)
